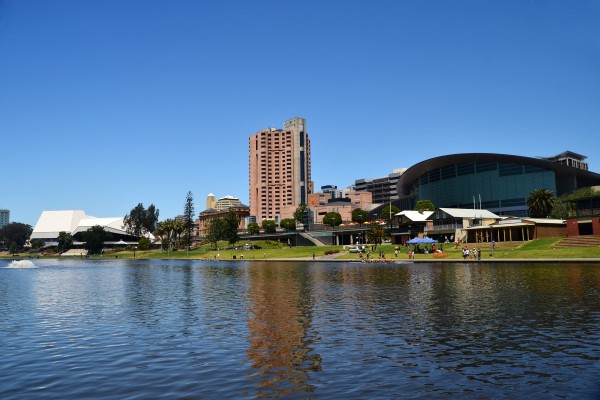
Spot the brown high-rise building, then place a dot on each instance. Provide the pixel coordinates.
(279, 170)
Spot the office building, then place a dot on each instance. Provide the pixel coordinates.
(280, 178)
(224, 203)
(4, 218)
(383, 189)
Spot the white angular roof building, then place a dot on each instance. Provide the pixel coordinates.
(51, 223)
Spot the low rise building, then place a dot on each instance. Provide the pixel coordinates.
(451, 224)
(322, 203)
(207, 216)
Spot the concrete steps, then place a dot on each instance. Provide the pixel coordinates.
(579, 241)
(315, 241)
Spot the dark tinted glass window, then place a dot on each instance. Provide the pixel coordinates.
(510, 169)
(465, 169)
(483, 167)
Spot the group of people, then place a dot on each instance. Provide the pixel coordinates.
(472, 254)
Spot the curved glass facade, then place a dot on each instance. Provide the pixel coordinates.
(495, 186)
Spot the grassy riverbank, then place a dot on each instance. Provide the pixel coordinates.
(536, 249)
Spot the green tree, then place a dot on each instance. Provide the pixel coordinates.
(385, 212)
(289, 224)
(269, 226)
(65, 241)
(37, 244)
(165, 232)
(560, 208)
(332, 218)
(359, 215)
(178, 230)
(188, 214)
(15, 232)
(95, 238)
(231, 223)
(424, 205)
(376, 234)
(13, 248)
(540, 203)
(151, 218)
(214, 231)
(141, 220)
(253, 228)
(582, 192)
(144, 243)
(301, 214)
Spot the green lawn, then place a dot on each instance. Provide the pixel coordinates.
(269, 249)
(540, 248)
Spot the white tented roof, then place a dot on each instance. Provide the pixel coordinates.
(51, 223)
(113, 225)
(469, 213)
(416, 216)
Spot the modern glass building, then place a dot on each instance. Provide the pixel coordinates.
(499, 183)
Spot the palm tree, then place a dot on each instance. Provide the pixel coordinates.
(540, 203)
(376, 234)
(179, 227)
(164, 230)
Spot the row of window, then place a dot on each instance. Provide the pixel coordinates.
(486, 205)
(452, 171)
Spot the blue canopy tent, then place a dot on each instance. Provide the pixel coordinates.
(425, 240)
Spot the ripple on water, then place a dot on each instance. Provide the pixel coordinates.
(133, 330)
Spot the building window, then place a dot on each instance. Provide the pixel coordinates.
(484, 167)
(510, 169)
(465, 169)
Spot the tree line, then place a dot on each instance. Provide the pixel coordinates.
(176, 233)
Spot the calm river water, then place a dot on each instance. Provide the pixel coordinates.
(73, 329)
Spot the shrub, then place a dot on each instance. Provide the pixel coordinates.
(328, 252)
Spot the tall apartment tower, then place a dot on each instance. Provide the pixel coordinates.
(279, 170)
(4, 218)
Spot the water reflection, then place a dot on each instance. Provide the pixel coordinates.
(279, 318)
(192, 329)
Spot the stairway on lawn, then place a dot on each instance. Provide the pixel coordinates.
(579, 241)
(314, 240)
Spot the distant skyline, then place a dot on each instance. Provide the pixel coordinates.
(106, 104)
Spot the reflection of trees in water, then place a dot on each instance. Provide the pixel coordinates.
(279, 317)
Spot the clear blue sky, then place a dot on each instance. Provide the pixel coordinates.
(105, 104)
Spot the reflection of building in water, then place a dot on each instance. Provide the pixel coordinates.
(279, 316)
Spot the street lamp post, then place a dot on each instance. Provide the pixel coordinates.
(390, 219)
(493, 243)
